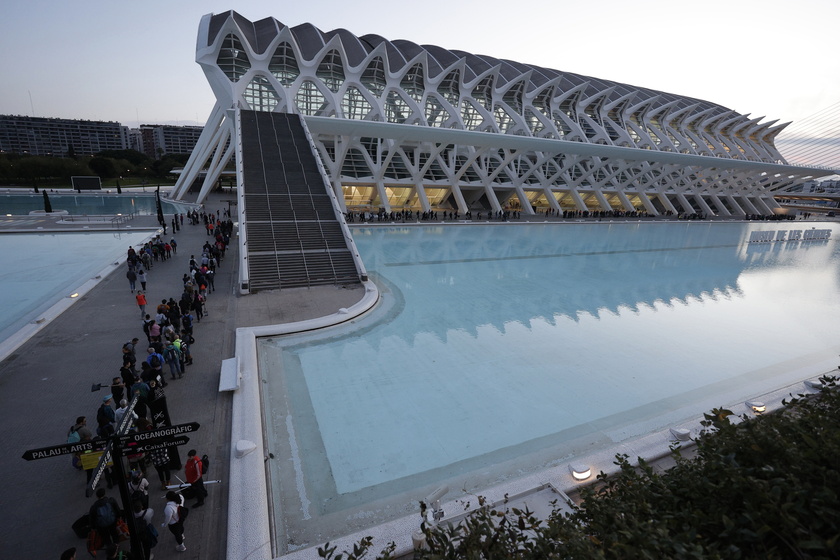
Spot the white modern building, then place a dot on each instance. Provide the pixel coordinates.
(404, 126)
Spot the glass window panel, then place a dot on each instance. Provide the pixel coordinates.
(232, 59)
(449, 88)
(470, 115)
(396, 108)
(413, 83)
(483, 92)
(260, 95)
(283, 65)
(331, 71)
(310, 100)
(373, 77)
(503, 119)
(436, 115)
(354, 105)
(354, 164)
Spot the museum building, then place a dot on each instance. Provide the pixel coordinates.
(398, 126)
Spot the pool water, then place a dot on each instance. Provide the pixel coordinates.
(88, 204)
(500, 350)
(39, 269)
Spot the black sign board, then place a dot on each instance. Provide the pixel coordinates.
(65, 449)
(169, 431)
(153, 445)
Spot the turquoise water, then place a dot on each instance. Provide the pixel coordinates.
(87, 204)
(41, 269)
(500, 350)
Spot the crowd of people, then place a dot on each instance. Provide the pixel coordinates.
(168, 331)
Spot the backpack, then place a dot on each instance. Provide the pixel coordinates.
(183, 513)
(101, 418)
(205, 464)
(172, 353)
(151, 535)
(105, 515)
(73, 435)
(154, 361)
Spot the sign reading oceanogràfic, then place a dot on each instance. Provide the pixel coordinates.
(169, 431)
(155, 445)
(65, 449)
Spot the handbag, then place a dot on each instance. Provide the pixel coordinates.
(94, 542)
(122, 530)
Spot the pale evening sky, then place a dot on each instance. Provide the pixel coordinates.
(135, 62)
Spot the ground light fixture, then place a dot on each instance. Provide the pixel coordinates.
(580, 471)
(74, 295)
(756, 406)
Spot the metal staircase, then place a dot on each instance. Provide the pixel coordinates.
(294, 238)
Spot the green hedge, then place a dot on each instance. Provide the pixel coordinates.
(766, 488)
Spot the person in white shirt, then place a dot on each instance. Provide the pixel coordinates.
(172, 518)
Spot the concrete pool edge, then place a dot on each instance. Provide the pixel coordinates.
(249, 511)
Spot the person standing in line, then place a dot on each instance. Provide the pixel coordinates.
(160, 459)
(132, 279)
(172, 518)
(103, 516)
(141, 302)
(106, 417)
(192, 470)
(144, 519)
(141, 275)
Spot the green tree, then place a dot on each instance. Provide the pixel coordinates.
(137, 159)
(103, 167)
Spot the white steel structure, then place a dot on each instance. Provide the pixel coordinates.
(399, 125)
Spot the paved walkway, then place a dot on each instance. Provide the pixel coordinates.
(45, 384)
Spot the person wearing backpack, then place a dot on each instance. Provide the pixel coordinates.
(173, 358)
(194, 471)
(174, 514)
(156, 361)
(138, 488)
(103, 517)
(148, 532)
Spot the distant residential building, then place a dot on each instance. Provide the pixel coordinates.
(60, 137)
(135, 140)
(159, 139)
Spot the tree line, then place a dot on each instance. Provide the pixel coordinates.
(110, 165)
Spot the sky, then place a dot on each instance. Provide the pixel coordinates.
(134, 62)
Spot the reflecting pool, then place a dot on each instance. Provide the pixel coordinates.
(88, 204)
(500, 350)
(39, 269)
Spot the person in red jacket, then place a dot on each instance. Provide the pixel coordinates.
(194, 476)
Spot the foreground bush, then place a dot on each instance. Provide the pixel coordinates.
(763, 489)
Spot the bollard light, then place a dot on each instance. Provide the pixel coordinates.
(756, 406)
(580, 471)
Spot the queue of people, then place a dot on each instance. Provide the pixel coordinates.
(170, 334)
